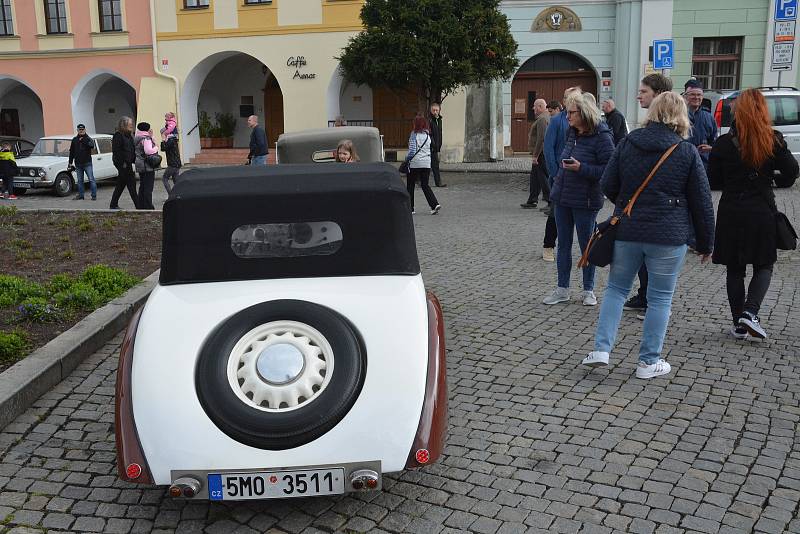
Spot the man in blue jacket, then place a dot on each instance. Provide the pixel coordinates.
(555, 138)
(704, 129)
(258, 143)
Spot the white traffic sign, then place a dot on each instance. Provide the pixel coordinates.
(785, 31)
(782, 56)
(663, 54)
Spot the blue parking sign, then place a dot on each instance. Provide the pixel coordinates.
(663, 54)
(785, 9)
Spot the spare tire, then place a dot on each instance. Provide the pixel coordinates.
(280, 374)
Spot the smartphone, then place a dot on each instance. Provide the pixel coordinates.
(568, 161)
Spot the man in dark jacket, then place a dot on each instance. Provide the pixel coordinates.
(436, 143)
(170, 147)
(80, 151)
(615, 120)
(704, 128)
(258, 143)
(123, 154)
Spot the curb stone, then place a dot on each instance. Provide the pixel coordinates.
(40, 371)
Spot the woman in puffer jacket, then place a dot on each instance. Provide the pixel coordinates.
(674, 202)
(143, 141)
(576, 195)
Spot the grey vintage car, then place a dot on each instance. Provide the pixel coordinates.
(319, 145)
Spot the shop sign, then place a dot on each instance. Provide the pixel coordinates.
(297, 63)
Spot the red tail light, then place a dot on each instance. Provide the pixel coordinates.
(133, 471)
(718, 113)
(423, 456)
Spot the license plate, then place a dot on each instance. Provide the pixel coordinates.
(275, 484)
(19, 183)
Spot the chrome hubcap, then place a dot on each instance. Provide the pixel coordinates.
(280, 363)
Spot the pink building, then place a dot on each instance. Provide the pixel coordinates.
(64, 62)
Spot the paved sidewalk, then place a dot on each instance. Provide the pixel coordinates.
(517, 164)
(536, 444)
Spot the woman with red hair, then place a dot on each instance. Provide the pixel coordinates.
(419, 163)
(743, 164)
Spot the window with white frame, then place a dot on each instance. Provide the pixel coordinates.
(110, 12)
(6, 24)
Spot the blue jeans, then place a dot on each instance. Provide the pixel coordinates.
(664, 263)
(258, 160)
(569, 221)
(80, 170)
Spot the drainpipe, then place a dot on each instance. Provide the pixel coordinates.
(492, 122)
(158, 70)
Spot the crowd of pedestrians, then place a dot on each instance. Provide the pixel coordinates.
(659, 178)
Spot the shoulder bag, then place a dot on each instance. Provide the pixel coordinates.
(785, 234)
(405, 166)
(600, 249)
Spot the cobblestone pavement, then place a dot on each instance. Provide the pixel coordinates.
(536, 443)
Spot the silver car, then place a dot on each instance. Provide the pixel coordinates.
(784, 110)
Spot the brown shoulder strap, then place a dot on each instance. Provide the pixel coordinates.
(629, 207)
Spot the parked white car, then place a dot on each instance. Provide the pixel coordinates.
(290, 348)
(46, 167)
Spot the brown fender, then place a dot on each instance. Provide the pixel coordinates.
(129, 449)
(433, 420)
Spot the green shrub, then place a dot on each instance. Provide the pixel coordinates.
(38, 309)
(108, 281)
(13, 346)
(59, 283)
(79, 296)
(14, 290)
(8, 211)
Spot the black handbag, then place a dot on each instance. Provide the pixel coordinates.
(153, 160)
(405, 167)
(600, 248)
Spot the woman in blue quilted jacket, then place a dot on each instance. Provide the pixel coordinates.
(576, 195)
(676, 200)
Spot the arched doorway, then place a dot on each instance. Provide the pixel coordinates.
(100, 98)
(545, 76)
(234, 84)
(21, 113)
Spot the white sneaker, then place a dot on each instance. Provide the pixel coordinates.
(561, 294)
(596, 359)
(436, 209)
(739, 332)
(661, 367)
(589, 299)
(548, 254)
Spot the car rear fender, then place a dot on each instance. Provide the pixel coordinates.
(129, 448)
(429, 441)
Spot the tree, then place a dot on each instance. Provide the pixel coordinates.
(436, 46)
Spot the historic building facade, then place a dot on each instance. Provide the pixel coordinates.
(64, 62)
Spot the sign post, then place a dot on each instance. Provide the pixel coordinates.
(663, 54)
(783, 36)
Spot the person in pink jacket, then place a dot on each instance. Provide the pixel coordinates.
(143, 141)
(170, 125)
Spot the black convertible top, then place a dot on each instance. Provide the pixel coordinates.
(287, 221)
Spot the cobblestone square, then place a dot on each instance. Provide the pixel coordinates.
(536, 442)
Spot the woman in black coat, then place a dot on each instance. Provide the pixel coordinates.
(743, 164)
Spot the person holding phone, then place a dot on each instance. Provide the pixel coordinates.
(576, 194)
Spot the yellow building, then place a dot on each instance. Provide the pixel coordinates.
(277, 60)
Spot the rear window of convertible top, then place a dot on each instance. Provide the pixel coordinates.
(286, 240)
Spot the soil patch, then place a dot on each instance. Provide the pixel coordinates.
(38, 245)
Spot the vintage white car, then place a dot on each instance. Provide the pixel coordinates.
(290, 348)
(46, 167)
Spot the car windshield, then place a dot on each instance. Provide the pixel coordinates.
(52, 147)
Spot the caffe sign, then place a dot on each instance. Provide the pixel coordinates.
(298, 63)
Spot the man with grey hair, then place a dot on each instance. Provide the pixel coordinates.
(615, 120)
(258, 143)
(538, 178)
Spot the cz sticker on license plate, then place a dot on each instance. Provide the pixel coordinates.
(275, 484)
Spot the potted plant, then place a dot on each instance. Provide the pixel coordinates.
(219, 133)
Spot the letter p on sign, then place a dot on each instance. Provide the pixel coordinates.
(662, 54)
(785, 9)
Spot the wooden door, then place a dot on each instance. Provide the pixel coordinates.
(273, 110)
(9, 122)
(529, 86)
(393, 113)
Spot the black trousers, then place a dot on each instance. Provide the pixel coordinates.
(146, 181)
(643, 278)
(125, 179)
(550, 231)
(171, 172)
(759, 284)
(437, 178)
(535, 186)
(421, 175)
